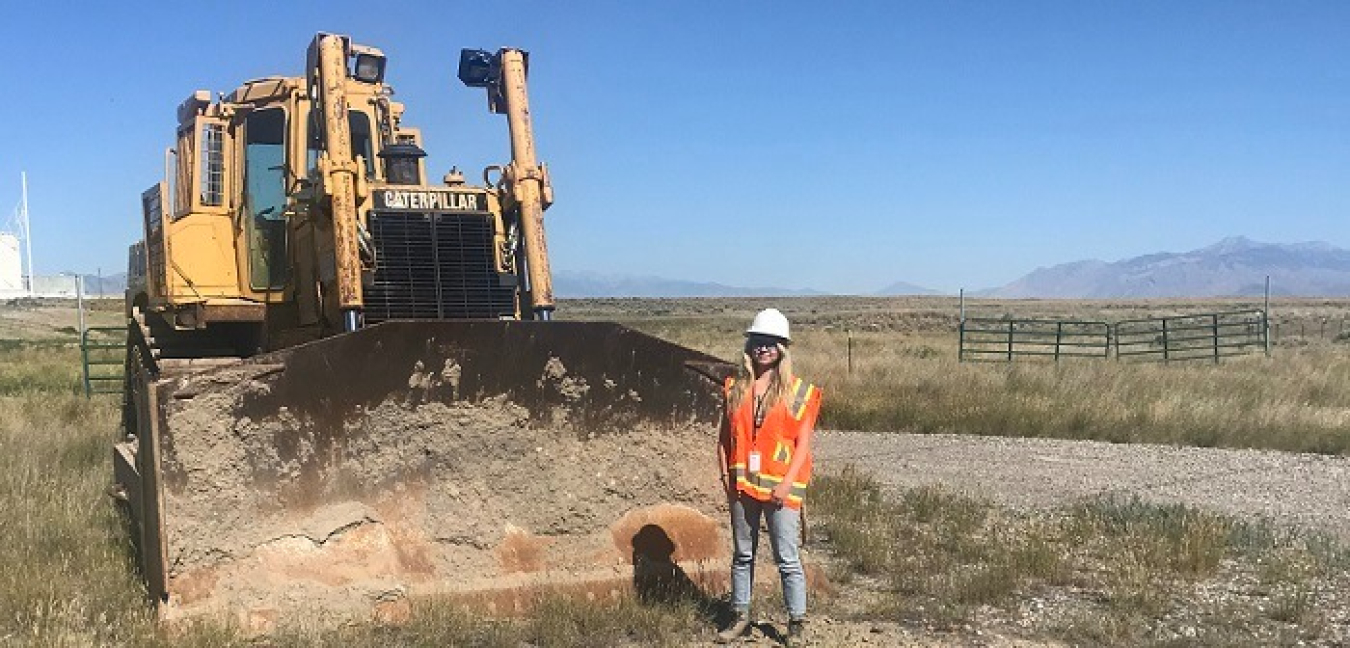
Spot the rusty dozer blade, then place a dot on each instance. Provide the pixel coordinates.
(484, 461)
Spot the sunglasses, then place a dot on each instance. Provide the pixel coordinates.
(762, 342)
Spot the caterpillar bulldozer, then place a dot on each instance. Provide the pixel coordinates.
(345, 387)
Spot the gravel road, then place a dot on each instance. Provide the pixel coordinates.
(1306, 490)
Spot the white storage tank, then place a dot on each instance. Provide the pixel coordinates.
(11, 267)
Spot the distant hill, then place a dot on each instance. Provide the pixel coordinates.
(905, 288)
(576, 286)
(1235, 266)
(106, 285)
(567, 285)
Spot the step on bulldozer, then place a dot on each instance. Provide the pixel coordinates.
(346, 389)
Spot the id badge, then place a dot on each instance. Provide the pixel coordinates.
(752, 462)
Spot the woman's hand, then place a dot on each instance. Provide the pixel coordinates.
(780, 492)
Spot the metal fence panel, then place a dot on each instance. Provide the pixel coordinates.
(103, 354)
(1005, 339)
(1208, 336)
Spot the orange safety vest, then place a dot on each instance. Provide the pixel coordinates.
(776, 441)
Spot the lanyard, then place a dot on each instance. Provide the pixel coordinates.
(760, 415)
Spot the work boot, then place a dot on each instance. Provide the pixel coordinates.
(796, 634)
(739, 626)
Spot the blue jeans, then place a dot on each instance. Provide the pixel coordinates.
(784, 531)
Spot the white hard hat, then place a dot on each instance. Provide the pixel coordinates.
(770, 322)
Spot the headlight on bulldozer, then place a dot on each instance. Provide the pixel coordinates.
(475, 68)
(369, 68)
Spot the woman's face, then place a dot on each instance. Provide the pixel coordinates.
(763, 351)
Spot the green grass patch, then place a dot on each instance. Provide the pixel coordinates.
(39, 367)
(67, 576)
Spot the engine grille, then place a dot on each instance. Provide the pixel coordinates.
(435, 266)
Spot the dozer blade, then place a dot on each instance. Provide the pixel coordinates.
(488, 462)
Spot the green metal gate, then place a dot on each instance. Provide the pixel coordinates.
(1006, 339)
(1208, 336)
(103, 354)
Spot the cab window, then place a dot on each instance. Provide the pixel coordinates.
(265, 200)
(363, 143)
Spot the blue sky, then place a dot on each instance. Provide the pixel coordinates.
(839, 147)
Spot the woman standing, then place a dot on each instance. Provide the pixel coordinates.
(765, 452)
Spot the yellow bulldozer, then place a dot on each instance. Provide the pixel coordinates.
(345, 387)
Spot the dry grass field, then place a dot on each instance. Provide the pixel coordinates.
(929, 566)
(905, 376)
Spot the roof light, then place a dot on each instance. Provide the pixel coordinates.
(476, 68)
(369, 68)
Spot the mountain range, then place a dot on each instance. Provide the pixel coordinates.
(103, 286)
(904, 288)
(1235, 266)
(569, 285)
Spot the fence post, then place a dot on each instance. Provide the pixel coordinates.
(1265, 318)
(1214, 319)
(1010, 340)
(961, 326)
(1265, 330)
(850, 351)
(84, 333)
(79, 300)
(961, 341)
(1059, 335)
(84, 361)
(1166, 355)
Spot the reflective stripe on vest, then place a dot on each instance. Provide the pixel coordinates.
(764, 484)
(801, 394)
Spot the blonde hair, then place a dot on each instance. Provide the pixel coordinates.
(780, 384)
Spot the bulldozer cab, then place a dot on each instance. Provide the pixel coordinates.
(300, 206)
